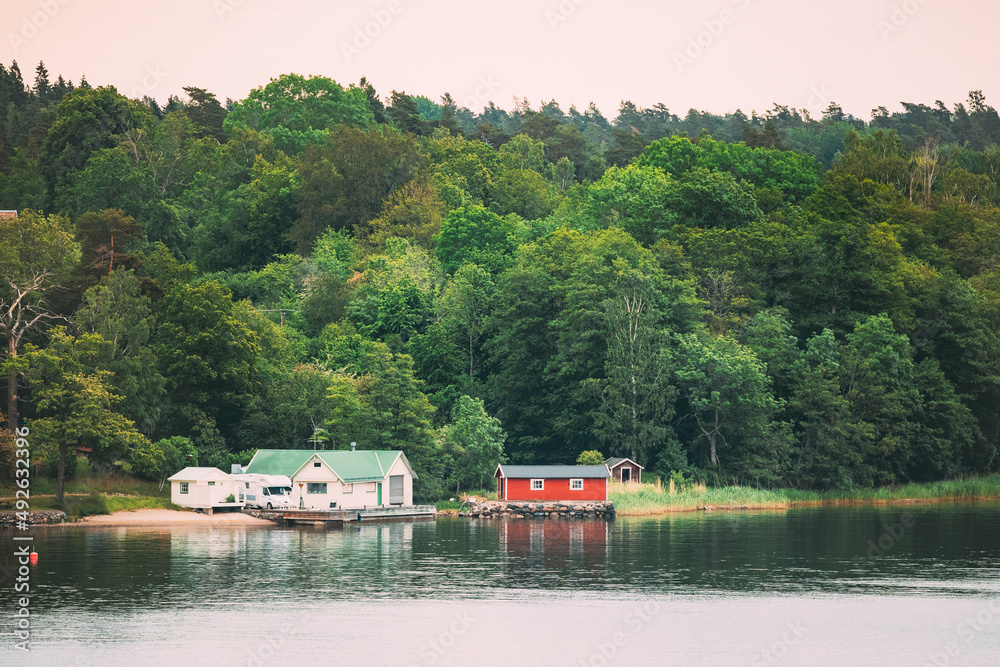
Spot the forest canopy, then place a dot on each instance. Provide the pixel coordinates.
(774, 300)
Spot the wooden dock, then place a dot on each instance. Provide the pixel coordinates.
(337, 518)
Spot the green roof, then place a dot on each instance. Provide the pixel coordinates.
(357, 466)
(278, 461)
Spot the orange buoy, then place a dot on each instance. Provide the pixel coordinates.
(33, 557)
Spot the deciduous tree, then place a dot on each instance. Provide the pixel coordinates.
(37, 257)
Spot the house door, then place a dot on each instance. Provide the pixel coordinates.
(378, 488)
(395, 489)
(626, 474)
(500, 495)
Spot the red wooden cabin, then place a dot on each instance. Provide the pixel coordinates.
(552, 482)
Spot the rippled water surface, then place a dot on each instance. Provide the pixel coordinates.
(908, 584)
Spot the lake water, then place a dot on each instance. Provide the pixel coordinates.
(901, 585)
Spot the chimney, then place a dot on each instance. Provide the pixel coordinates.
(353, 445)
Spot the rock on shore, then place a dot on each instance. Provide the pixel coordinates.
(493, 509)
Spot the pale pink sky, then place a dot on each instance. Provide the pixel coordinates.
(752, 53)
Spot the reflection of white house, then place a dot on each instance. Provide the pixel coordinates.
(340, 479)
(203, 488)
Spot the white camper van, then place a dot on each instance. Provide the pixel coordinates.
(265, 491)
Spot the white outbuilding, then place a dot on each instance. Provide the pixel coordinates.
(204, 488)
(340, 479)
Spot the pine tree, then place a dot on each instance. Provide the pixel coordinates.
(42, 86)
(18, 93)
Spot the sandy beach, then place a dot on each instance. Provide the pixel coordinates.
(161, 517)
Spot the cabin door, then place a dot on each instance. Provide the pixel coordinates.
(626, 474)
(378, 488)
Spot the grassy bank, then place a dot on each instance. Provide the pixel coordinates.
(646, 499)
(130, 486)
(87, 496)
(80, 505)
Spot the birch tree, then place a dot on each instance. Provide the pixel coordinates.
(636, 396)
(37, 256)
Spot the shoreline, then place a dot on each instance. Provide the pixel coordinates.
(796, 504)
(167, 517)
(153, 517)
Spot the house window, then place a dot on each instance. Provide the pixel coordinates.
(319, 487)
(538, 485)
(370, 487)
(576, 485)
(248, 484)
(348, 488)
(211, 483)
(184, 487)
(316, 464)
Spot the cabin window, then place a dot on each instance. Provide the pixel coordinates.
(184, 487)
(348, 488)
(538, 485)
(211, 483)
(316, 464)
(576, 485)
(371, 487)
(248, 484)
(316, 487)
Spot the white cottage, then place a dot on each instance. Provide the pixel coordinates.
(340, 479)
(203, 488)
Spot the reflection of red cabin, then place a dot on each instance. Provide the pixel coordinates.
(585, 539)
(552, 482)
(624, 470)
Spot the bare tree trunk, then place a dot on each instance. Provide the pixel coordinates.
(61, 478)
(12, 412)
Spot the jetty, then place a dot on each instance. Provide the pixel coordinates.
(337, 518)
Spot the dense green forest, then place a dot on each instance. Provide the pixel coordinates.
(773, 300)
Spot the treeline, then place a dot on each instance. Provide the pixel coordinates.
(773, 300)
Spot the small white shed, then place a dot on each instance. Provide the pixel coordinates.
(204, 488)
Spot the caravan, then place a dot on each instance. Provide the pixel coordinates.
(265, 491)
